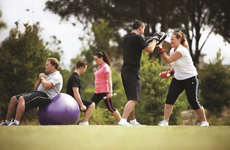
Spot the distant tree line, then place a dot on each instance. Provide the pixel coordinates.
(192, 17)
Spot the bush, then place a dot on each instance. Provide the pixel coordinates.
(215, 87)
(153, 95)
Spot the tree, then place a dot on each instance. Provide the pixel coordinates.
(2, 24)
(196, 16)
(191, 17)
(22, 58)
(219, 17)
(215, 86)
(101, 39)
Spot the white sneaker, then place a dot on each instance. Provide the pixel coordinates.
(135, 123)
(163, 123)
(84, 123)
(4, 124)
(204, 124)
(13, 124)
(124, 124)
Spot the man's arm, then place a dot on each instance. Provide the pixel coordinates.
(78, 98)
(45, 83)
(37, 84)
(151, 46)
(41, 75)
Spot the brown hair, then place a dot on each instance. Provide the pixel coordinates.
(54, 62)
(137, 24)
(182, 37)
(104, 55)
(81, 63)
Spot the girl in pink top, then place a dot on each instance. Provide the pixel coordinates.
(103, 83)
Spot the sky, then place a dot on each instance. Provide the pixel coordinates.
(32, 11)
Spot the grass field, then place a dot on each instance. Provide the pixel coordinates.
(96, 137)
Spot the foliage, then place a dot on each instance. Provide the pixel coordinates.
(2, 23)
(153, 94)
(215, 86)
(219, 17)
(192, 17)
(65, 75)
(22, 58)
(101, 39)
(195, 17)
(118, 12)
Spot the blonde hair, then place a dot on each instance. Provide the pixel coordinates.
(182, 37)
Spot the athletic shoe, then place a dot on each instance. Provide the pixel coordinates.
(84, 123)
(163, 123)
(135, 123)
(204, 124)
(124, 124)
(3, 124)
(13, 124)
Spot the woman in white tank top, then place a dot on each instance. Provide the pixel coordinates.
(185, 78)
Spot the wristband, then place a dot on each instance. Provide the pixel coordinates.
(161, 50)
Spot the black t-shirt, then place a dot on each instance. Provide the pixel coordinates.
(133, 45)
(74, 81)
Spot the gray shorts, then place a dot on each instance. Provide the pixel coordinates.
(132, 85)
(34, 99)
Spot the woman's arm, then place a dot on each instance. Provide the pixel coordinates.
(109, 78)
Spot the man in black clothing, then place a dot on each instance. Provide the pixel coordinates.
(133, 44)
(74, 89)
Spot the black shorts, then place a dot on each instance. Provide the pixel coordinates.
(34, 99)
(132, 85)
(86, 102)
(191, 87)
(108, 102)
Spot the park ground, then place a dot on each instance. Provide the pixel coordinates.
(110, 137)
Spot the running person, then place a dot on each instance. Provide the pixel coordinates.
(103, 83)
(45, 89)
(73, 88)
(133, 44)
(185, 78)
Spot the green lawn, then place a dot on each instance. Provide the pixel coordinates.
(96, 137)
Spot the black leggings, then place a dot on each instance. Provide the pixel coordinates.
(98, 97)
(191, 87)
